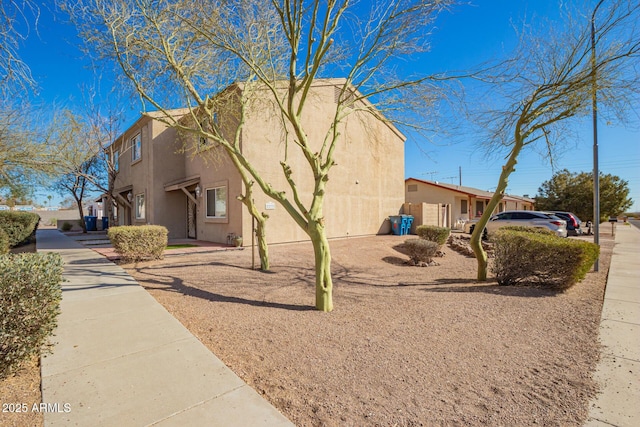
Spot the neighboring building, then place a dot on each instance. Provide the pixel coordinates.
(195, 196)
(460, 203)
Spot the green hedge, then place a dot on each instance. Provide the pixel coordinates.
(29, 305)
(433, 233)
(4, 242)
(19, 226)
(136, 243)
(541, 258)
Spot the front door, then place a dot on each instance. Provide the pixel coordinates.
(191, 218)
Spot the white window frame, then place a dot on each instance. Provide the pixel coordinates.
(136, 147)
(140, 207)
(214, 191)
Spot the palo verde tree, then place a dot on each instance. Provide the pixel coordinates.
(551, 79)
(271, 53)
(573, 192)
(15, 75)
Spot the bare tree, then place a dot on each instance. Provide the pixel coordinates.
(551, 79)
(26, 153)
(14, 73)
(270, 51)
(77, 160)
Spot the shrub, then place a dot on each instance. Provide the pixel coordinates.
(19, 226)
(420, 250)
(135, 243)
(29, 305)
(4, 242)
(433, 233)
(541, 258)
(522, 228)
(66, 226)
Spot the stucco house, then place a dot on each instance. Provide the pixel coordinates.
(459, 203)
(161, 182)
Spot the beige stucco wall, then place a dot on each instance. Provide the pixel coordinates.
(160, 163)
(364, 188)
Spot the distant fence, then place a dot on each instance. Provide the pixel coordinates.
(46, 216)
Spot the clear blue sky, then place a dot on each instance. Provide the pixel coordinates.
(468, 35)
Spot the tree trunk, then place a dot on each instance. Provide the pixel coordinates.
(83, 224)
(476, 237)
(261, 236)
(324, 284)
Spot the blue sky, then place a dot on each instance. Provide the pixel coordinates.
(466, 36)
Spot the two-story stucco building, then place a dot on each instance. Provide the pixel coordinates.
(194, 196)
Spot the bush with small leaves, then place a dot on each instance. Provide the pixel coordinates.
(29, 305)
(136, 243)
(4, 242)
(522, 228)
(420, 250)
(19, 226)
(433, 233)
(541, 258)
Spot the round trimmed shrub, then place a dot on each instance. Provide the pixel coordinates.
(137, 243)
(433, 233)
(30, 296)
(420, 250)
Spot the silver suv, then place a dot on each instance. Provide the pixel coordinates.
(537, 219)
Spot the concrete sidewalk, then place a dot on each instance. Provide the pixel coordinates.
(618, 372)
(120, 359)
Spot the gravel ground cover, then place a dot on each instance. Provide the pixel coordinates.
(404, 346)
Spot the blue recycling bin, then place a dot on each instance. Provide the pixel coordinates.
(105, 222)
(396, 224)
(407, 220)
(91, 222)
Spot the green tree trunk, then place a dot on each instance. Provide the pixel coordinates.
(324, 284)
(476, 236)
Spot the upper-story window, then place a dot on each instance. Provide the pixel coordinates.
(116, 160)
(136, 147)
(208, 125)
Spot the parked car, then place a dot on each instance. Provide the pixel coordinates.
(573, 222)
(536, 219)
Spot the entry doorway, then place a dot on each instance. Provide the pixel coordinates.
(192, 209)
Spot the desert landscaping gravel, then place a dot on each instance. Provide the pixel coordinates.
(404, 346)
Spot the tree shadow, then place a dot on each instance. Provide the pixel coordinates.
(493, 288)
(178, 285)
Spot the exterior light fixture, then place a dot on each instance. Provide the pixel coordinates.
(129, 196)
(198, 191)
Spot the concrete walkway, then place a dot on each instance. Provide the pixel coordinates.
(618, 372)
(120, 359)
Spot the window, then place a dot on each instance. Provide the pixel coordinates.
(136, 147)
(140, 208)
(206, 125)
(412, 187)
(217, 202)
(116, 160)
(479, 208)
(464, 208)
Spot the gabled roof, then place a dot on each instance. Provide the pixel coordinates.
(469, 191)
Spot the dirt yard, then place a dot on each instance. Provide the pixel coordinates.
(404, 346)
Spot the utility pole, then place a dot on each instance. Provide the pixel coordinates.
(596, 172)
